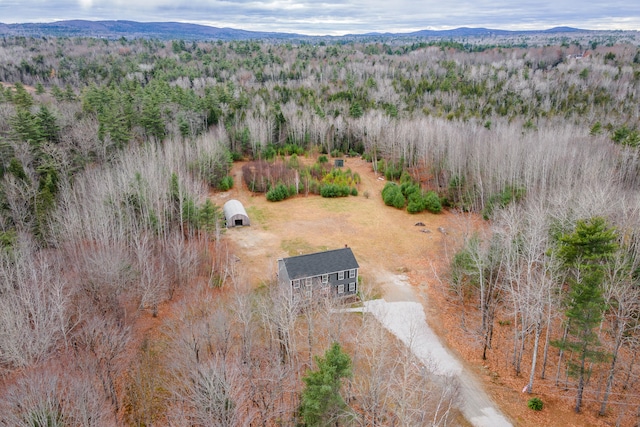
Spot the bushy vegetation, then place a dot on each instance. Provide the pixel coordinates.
(274, 177)
(419, 202)
(535, 403)
(392, 195)
(410, 194)
(280, 192)
(339, 183)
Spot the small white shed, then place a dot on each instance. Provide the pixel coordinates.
(235, 214)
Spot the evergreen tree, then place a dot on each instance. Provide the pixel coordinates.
(15, 168)
(321, 401)
(49, 129)
(151, 119)
(25, 127)
(209, 218)
(21, 98)
(57, 93)
(585, 252)
(69, 94)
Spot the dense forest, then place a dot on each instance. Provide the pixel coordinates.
(108, 149)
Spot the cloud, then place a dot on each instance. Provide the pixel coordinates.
(338, 17)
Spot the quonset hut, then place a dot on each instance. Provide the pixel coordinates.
(234, 214)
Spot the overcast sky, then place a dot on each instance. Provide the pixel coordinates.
(335, 17)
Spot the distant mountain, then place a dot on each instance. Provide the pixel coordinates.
(177, 30)
(132, 29)
(478, 32)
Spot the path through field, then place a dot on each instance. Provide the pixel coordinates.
(398, 261)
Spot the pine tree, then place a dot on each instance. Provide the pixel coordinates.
(585, 252)
(321, 401)
(49, 129)
(24, 127)
(21, 98)
(151, 119)
(209, 217)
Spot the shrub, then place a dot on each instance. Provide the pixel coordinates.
(278, 193)
(417, 203)
(334, 190)
(323, 159)
(409, 188)
(432, 202)
(290, 149)
(354, 191)
(355, 110)
(626, 136)
(535, 403)
(226, 183)
(269, 153)
(389, 192)
(391, 170)
(405, 177)
(399, 201)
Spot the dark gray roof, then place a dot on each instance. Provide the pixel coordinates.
(320, 263)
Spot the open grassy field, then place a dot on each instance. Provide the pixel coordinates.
(384, 240)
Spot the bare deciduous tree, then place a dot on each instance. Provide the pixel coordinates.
(35, 306)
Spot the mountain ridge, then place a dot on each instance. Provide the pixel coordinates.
(178, 30)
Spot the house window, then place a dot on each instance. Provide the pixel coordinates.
(352, 287)
(325, 278)
(309, 294)
(341, 275)
(296, 298)
(296, 284)
(341, 289)
(352, 273)
(307, 282)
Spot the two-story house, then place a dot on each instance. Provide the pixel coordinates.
(322, 274)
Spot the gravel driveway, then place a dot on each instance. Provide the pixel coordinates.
(406, 320)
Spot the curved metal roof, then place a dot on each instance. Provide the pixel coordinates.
(234, 207)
